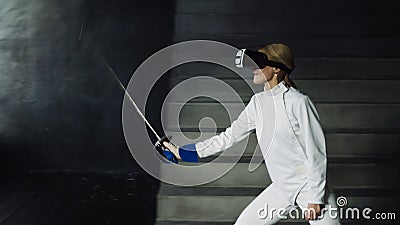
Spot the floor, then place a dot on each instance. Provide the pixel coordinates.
(70, 198)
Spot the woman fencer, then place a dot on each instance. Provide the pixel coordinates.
(296, 159)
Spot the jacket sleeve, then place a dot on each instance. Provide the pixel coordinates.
(314, 140)
(239, 129)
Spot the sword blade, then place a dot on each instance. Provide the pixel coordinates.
(131, 99)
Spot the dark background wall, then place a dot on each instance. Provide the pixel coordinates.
(60, 108)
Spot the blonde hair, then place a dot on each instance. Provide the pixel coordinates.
(283, 54)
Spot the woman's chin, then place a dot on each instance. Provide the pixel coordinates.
(258, 81)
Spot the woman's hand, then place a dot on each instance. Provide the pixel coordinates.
(313, 211)
(173, 148)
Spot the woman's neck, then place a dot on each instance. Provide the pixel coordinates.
(271, 84)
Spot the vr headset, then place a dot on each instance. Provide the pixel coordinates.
(245, 58)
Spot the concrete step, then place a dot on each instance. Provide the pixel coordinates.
(334, 117)
(310, 47)
(308, 8)
(308, 68)
(225, 204)
(166, 222)
(338, 145)
(285, 27)
(339, 175)
(377, 222)
(171, 222)
(334, 91)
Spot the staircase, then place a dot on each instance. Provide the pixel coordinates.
(347, 55)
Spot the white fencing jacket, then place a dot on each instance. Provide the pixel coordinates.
(295, 156)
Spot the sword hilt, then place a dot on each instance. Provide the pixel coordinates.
(164, 151)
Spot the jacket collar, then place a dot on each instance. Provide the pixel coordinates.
(278, 89)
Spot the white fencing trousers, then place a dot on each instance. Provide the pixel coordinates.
(260, 210)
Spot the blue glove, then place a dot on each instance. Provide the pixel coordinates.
(188, 153)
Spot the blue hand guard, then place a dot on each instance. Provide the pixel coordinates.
(188, 153)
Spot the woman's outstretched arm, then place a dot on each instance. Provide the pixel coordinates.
(239, 129)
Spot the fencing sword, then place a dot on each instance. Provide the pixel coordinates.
(159, 146)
